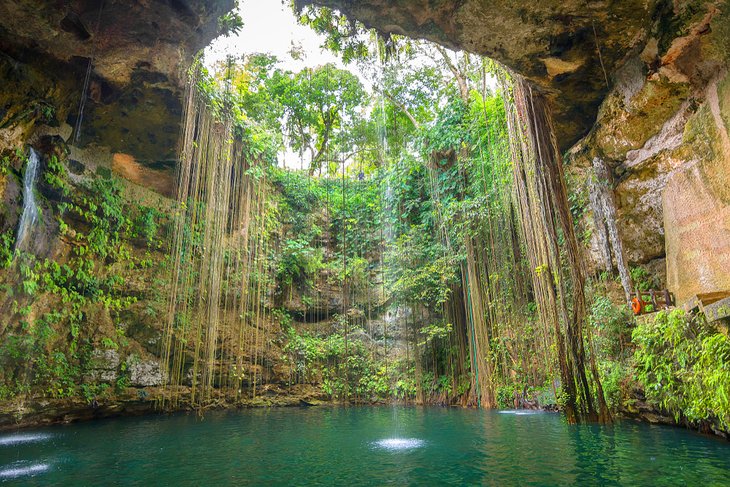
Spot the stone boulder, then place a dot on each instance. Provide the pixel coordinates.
(145, 373)
(104, 366)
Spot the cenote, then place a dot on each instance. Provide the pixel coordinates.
(361, 446)
(235, 233)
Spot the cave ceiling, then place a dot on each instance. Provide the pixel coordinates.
(568, 49)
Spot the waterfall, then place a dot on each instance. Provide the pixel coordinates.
(30, 209)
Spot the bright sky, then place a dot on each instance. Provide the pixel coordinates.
(271, 27)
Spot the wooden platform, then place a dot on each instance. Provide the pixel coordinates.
(715, 306)
(718, 310)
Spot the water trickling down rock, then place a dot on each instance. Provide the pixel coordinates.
(30, 209)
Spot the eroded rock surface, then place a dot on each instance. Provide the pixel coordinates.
(139, 49)
(663, 130)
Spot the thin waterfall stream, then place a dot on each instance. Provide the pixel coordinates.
(30, 208)
(333, 242)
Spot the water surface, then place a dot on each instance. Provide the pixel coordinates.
(361, 446)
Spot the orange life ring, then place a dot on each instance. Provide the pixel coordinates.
(636, 305)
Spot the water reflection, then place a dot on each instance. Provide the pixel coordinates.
(23, 438)
(399, 443)
(13, 472)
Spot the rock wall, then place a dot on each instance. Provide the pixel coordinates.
(663, 131)
(696, 204)
(139, 51)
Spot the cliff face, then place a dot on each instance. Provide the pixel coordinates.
(139, 51)
(663, 132)
(661, 129)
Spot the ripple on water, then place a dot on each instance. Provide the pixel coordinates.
(23, 438)
(399, 443)
(23, 471)
(520, 412)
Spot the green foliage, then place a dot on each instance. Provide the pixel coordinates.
(123, 379)
(449, 130)
(615, 378)
(420, 269)
(55, 175)
(360, 214)
(506, 395)
(612, 326)
(303, 353)
(230, 24)
(318, 109)
(435, 332)
(259, 141)
(318, 106)
(29, 278)
(33, 348)
(92, 392)
(57, 373)
(340, 33)
(5, 163)
(98, 222)
(107, 217)
(348, 370)
(642, 279)
(314, 213)
(405, 386)
(283, 318)
(300, 200)
(146, 226)
(684, 367)
(7, 241)
(577, 196)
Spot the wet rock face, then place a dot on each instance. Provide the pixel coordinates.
(663, 131)
(140, 50)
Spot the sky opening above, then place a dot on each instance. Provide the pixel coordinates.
(271, 27)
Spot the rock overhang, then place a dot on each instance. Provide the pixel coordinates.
(568, 49)
(140, 51)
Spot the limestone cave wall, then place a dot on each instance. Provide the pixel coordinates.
(139, 52)
(663, 131)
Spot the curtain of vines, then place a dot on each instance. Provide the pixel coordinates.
(213, 338)
(557, 270)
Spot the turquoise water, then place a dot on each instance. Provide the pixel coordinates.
(361, 446)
